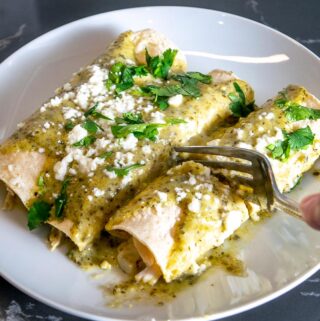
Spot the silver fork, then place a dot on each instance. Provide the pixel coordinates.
(262, 179)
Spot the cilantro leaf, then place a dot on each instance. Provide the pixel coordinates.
(159, 66)
(175, 121)
(38, 213)
(296, 140)
(85, 142)
(69, 126)
(94, 113)
(123, 171)
(91, 126)
(121, 76)
(300, 138)
(238, 104)
(130, 118)
(296, 112)
(41, 184)
(148, 131)
(62, 198)
(205, 79)
(105, 155)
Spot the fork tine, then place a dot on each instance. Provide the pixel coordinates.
(217, 150)
(225, 165)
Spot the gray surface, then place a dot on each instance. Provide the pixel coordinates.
(24, 20)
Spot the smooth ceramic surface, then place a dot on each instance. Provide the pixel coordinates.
(281, 253)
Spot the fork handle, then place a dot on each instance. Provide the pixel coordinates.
(288, 206)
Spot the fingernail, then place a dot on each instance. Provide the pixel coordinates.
(310, 207)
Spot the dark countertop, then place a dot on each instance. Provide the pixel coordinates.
(23, 20)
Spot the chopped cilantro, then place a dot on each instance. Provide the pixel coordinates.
(85, 142)
(296, 140)
(238, 104)
(121, 76)
(159, 66)
(69, 126)
(147, 131)
(136, 126)
(175, 121)
(130, 118)
(41, 184)
(123, 171)
(94, 113)
(91, 126)
(105, 155)
(205, 79)
(38, 213)
(61, 200)
(296, 112)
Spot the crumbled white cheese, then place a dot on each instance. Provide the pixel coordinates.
(270, 116)
(129, 143)
(77, 133)
(60, 168)
(10, 167)
(110, 174)
(67, 86)
(126, 179)
(46, 125)
(175, 101)
(56, 101)
(72, 171)
(206, 197)
(69, 113)
(198, 195)
(20, 125)
(98, 192)
(83, 96)
(162, 196)
(90, 198)
(192, 180)
(158, 117)
(194, 205)
(181, 194)
(41, 150)
(146, 149)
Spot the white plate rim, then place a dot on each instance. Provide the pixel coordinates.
(255, 303)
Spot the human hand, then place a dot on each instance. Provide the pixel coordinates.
(310, 207)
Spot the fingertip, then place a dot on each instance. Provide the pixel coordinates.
(310, 208)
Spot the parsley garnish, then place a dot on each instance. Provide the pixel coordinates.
(61, 200)
(123, 171)
(238, 104)
(175, 121)
(38, 213)
(41, 184)
(121, 76)
(296, 112)
(131, 123)
(94, 113)
(85, 142)
(159, 66)
(130, 118)
(105, 155)
(148, 131)
(296, 140)
(69, 126)
(91, 126)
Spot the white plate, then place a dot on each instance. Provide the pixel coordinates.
(283, 252)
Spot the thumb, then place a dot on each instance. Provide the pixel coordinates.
(310, 207)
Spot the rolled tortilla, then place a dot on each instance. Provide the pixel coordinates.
(177, 219)
(94, 192)
(266, 126)
(187, 212)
